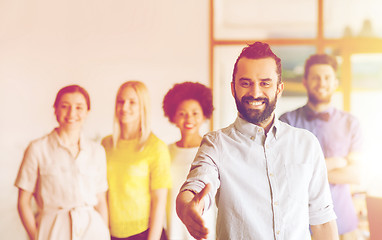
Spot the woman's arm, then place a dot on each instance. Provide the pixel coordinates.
(157, 213)
(101, 207)
(26, 213)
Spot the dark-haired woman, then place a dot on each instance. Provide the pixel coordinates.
(187, 105)
(66, 174)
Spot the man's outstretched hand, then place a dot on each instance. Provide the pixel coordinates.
(189, 207)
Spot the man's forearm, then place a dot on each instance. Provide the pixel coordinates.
(334, 163)
(326, 231)
(347, 175)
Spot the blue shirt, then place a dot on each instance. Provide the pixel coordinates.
(338, 137)
(266, 186)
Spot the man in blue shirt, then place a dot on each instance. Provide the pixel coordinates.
(339, 135)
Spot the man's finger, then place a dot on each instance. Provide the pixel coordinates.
(198, 232)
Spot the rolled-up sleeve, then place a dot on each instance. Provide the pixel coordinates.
(320, 199)
(204, 169)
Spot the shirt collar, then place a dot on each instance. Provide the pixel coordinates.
(55, 139)
(329, 110)
(250, 129)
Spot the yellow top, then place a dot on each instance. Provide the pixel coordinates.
(131, 176)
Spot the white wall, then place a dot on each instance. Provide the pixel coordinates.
(45, 45)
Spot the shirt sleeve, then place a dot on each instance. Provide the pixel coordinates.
(284, 118)
(204, 169)
(160, 173)
(320, 200)
(28, 172)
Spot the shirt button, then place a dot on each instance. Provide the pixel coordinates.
(276, 203)
(278, 232)
(259, 130)
(252, 138)
(271, 174)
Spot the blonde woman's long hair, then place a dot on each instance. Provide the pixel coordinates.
(144, 110)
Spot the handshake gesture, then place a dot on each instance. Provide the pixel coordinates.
(189, 207)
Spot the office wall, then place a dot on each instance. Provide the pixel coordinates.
(45, 45)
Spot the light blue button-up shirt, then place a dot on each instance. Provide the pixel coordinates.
(266, 186)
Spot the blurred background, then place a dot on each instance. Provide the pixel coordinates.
(46, 45)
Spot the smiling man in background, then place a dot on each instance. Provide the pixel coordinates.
(338, 133)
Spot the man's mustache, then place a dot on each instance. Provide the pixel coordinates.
(250, 98)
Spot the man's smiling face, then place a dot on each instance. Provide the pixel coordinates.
(256, 89)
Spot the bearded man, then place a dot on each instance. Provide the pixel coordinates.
(268, 179)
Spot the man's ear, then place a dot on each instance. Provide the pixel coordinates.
(280, 89)
(233, 89)
(304, 82)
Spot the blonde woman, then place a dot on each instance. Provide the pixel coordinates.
(66, 174)
(138, 168)
(187, 105)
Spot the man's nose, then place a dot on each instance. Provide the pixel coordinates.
(322, 81)
(255, 91)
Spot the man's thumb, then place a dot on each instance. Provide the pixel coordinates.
(203, 193)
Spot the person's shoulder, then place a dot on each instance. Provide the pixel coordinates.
(172, 148)
(290, 115)
(107, 142)
(93, 144)
(218, 132)
(219, 135)
(344, 114)
(347, 119)
(38, 146)
(154, 138)
(289, 130)
(155, 142)
(41, 141)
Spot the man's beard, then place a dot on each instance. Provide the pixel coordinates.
(255, 116)
(318, 99)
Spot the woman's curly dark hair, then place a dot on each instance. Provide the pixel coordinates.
(186, 91)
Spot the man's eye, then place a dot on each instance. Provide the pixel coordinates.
(245, 84)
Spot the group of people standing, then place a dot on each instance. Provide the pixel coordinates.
(118, 191)
(269, 180)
